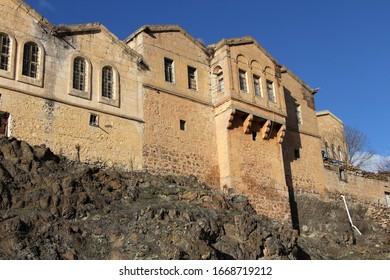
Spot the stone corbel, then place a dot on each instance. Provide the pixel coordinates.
(281, 133)
(230, 123)
(266, 129)
(248, 123)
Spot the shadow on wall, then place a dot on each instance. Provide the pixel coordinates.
(291, 151)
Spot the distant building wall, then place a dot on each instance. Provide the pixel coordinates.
(358, 185)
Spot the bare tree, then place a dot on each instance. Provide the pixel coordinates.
(383, 165)
(358, 146)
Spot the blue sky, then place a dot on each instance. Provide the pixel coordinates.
(341, 46)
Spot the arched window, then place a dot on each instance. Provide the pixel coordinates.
(340, 153)
(30, 60)
(326, 152)
(107, 82)
(5, 51)
(79, 73)
(333, 152)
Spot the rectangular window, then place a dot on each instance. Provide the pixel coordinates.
(168, 65)
(243, 82)
(271, 91)
(254, 135)
(299, 114)
(30, 60)
(256, 85)
(297, 154)
(220, 82)
(93, 120)
(191, 78)
(4, 49)
(182, 125)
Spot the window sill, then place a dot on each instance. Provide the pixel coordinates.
(108, 101)
(81, 94)
(7, 74)
(30, 80)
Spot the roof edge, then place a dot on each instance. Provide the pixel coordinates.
(160, 28)
(327, 112)
(299, 80)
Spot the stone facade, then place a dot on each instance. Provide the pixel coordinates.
(161, 101)
(331, 130)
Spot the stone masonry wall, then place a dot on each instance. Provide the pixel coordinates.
(115, 142)
(169, 150)
(258, 172)
(356, 186)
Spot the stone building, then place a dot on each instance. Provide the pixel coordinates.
(331, 130)
(161, 101)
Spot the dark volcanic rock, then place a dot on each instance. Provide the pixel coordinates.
(52, 208)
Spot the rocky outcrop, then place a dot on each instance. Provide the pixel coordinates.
(52, 208)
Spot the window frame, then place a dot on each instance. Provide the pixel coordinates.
(192, 78)
(79, 81)
(271, 97)
(169, 70)
(38, 79)
(10, 72)
(257, 86)
(298, 112)
(87, 92)
(115, 97)
(243, 80)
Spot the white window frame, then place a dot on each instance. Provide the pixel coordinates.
(257, 85)
(10, 72)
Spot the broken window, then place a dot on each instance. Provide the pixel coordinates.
(93, 120)
(107, 82)
(256, 85)
(271, 91)
(191, 78)
(30, 60)
(79, 73)
(5, 51)
(243, 82)
(168, 65)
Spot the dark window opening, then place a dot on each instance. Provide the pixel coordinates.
(191, 78)
(242, 78)
(93, 120)
(254, 135)
(30, 60)
(182, 125)
(168, 66)
(4, 51)
(107, 82)
(297, 154)
(79, 73)
(4, 117)
(342, 175)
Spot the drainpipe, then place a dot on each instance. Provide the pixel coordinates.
(349, 216)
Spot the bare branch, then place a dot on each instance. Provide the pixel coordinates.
(358, 146)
